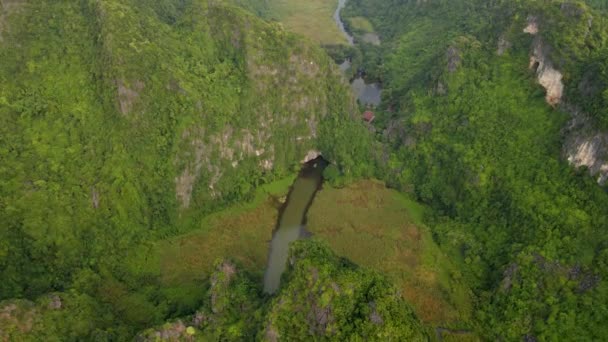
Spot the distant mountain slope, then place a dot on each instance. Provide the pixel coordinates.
(494, 113)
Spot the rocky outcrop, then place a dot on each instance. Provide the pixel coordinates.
(532, 26)
(584, 145)
(128, 95)
(311, 155)
(321, 291)
(548, 77)
(454, 58)
(503, 45)
(287, 104)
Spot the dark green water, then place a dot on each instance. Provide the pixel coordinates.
(292, 221)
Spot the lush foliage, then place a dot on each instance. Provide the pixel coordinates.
(332, 298)
(123, 122)
(468, 131)
(322, 297)
(382, 229)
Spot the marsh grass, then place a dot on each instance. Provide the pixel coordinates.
(240, 232)
(311, 18)
(379, 228)
(361, 24)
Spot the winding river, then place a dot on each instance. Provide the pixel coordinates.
(292, 220)
(338, 19)
(368, 94)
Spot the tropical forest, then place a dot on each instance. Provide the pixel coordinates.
(303, 170)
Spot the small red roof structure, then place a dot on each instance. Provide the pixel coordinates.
(369, 116)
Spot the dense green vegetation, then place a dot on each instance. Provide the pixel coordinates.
(341, 302)
(469, 133)
(324, 297)
(124, 122)
(382, 229)
(128, 127)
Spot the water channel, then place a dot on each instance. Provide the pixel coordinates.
(292, 220)
(368, 94)
(338, 19)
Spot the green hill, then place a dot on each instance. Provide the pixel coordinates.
(127, 121)
(145, 143)
(484, 106)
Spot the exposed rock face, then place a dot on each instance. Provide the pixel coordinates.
(454, 58)
(503, 45)
(311, 155)
(586, 146)
(547, 75)
(128, 95)
(284, 106)
(532, 27)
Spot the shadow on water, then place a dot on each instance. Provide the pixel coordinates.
(292, 220)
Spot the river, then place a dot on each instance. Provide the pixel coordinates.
(368, 94)
(292, 220)
(338, 19)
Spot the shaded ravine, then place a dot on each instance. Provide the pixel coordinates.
(292, 220)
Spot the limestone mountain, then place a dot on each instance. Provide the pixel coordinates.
(494, 113)
(121, 119)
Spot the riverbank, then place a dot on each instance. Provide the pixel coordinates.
(292, 222)
(382, 229)
(241, 232)
(375, 227)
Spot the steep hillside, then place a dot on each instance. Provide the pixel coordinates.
(146, 146)
(485, 105)
(324, 298)
(125, 121)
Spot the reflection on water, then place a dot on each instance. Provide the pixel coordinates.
(345, 65)
(291, 223)
(367, 94)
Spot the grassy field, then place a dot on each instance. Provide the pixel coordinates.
(371, 225)
(381, 229)
(311, 18)
(361, 24)
(241, 232)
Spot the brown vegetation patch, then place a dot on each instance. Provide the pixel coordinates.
(241, 236)
(368, 224)
(18, 315)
